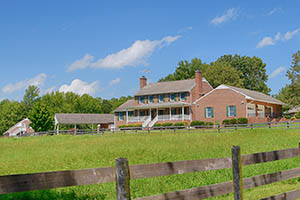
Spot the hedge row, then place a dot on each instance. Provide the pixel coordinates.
(241, 120)
(170, 124)
(201, 123)
(130, 126)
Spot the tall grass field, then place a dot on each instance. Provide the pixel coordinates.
(55, 153)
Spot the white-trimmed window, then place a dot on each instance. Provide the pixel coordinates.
(172, 97)
(261, 110)
(141, 99)
(251, 111)
(121, 116)
(209, 112)
(231, 111)
(150, 98)
(182, 96)
(161, 98)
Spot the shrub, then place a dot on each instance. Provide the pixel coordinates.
(297, 115)
(226, 122)
(287, 116)
(209, 123)
(130, 126)
(242, 120)
(167, 124)
(157, 125)
(233, 121)
(197, 123)
(179, 124)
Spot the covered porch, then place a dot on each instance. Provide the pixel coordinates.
(160, 114)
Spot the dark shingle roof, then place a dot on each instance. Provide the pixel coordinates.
(170, 87)
(84, 118)
(256, 95)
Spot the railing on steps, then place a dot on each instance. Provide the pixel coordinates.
(146, 122)
(153, 121)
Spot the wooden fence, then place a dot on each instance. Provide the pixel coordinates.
(218, 128)
(123, 173)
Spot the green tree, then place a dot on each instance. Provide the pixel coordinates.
(31, 97)
(253, 71)
(106, 106)
(222, 73)
(186, 70)
(41, 118)
(290, 94)
(11, 112)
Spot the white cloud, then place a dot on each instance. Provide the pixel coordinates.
(81, 63)
(231, 13)
(80, 87)
(115, 81)
(267, 41)
(136, 54)
(273, 11)
(277, 71)
(36, 81)
(289, 35)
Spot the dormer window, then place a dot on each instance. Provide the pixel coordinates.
(141, 99)
(161, 98)
(151, 99)
(172, 97)
(183, 96)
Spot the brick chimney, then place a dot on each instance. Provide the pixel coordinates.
(198, 80)
(143, 82)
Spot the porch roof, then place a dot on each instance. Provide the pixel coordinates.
(160, 105)
(73, 118)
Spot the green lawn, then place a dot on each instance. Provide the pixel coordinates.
(52, 153)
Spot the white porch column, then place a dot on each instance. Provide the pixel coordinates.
(190, 109)
(57, 128)
(170, 114)
(75, 129)
(182, 113)
(150, 113)
(157, 113)
(126, 117)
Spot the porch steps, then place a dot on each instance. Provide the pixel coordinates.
(146, 122)
(153, 122)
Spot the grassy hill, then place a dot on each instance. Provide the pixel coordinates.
(52, 153)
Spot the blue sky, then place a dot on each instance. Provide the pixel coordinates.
(102, 48)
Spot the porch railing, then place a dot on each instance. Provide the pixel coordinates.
(173, 117)
(137, 118)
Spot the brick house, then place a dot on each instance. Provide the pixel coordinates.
(194, 99)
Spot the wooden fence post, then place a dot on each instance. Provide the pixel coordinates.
(237, 173)
(219, 128)
(122, 179)
(287, 124)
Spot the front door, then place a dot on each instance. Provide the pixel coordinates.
(153, 114)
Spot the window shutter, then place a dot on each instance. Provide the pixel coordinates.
(212, 110)
(234, 109)
(227, 114)
(204, 112)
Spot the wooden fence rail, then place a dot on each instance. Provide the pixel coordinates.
(216, 128)
(123, 173)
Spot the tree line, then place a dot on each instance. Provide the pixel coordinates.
(241, 71)
(41, 109)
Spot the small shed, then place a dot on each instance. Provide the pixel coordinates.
(104, 121)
